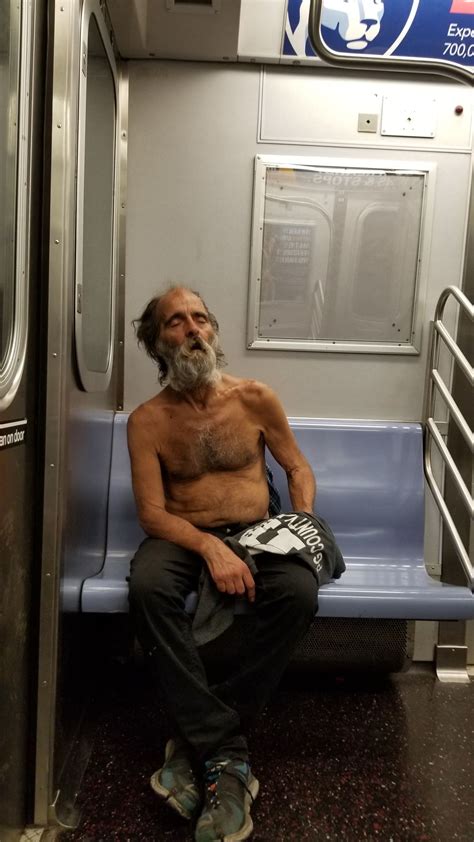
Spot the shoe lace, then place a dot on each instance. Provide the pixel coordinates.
(211, 779)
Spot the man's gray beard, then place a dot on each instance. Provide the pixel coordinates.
(190, 369)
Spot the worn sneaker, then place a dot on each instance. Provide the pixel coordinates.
(230, 790)
(175, 781)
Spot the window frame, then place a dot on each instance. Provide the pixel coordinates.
(262, 162)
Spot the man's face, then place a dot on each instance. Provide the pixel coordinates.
(187, 341)
(357, 21)
(183, 317)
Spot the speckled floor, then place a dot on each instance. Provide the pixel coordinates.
(340, 761)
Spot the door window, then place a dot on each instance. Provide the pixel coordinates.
(14, 42)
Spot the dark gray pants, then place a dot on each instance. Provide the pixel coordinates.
(210, 718)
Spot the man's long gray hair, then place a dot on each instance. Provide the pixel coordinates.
(147, 329)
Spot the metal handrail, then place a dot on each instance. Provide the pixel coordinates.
(436, 385)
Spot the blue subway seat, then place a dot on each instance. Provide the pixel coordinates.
(370, 489)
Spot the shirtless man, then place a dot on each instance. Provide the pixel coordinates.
(198, 468)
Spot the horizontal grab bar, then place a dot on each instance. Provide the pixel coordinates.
(456, 351)
(448, 521)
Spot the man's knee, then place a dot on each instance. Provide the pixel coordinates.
(302, 594)
(164, 574)
(295, 587)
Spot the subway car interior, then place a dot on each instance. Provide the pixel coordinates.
(307, 167)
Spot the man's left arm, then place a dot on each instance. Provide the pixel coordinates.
(283, 446)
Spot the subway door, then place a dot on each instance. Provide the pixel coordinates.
(21, 98)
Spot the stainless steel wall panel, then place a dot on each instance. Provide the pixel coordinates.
(77, 442)
(122, 163)
(61, 217)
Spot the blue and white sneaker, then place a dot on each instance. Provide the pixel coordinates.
(229, 792)
(175, 782)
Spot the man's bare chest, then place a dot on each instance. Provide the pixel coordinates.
(192, 448)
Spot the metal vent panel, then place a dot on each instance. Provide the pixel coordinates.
(331, 644)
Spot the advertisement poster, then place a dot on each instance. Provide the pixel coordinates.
(439, 30)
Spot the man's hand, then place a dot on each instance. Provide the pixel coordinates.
(229, 573)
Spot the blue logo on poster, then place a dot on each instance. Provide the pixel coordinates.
(355, 26)
(349, 26)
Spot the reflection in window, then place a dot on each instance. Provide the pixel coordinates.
(338, 257)
(9, 75)
(374, 268)
(95, 297)
(296, 242)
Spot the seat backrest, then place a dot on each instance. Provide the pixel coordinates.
(369, 478)
(124, 531)
(370, 485)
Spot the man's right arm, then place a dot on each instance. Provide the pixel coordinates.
(230, 574)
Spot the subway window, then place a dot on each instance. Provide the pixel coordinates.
(336, 253)
(14, 69)
(96, 214)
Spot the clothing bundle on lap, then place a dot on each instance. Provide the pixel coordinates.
(305, 536)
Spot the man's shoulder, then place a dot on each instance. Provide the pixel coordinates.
(252, 392)
(149, 412)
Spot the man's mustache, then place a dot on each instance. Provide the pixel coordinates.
(194, 343)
